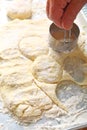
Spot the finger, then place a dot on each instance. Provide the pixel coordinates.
(55, 10)
(56, 17)
(47, 7)
(71, 13)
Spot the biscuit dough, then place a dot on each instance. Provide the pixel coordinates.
(15, 76)
(28, 80)
(20, 9)
(12, 33)
(25, 100)
(33, 46)
(54, 112)
(18, 91)
(12, 61)
(10, 53)
(46, 69)
(50, 91)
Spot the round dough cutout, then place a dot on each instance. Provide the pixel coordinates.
(46, 69)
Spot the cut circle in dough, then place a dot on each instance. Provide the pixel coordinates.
(64, 88)
(70, 94)
(46, 69)
(19, 9)
(33, 46)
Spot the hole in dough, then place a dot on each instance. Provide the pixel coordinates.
(67, 88)
(71, 95)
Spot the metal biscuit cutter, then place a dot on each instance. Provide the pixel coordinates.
(63, 41)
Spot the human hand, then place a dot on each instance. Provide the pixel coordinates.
(63, 12)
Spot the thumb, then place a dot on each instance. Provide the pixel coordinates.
(71, 13)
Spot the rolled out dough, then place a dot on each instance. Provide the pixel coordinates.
(30, 72)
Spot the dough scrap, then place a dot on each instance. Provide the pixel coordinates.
(20, 9)
(54, 112)
(33, 46)
(26, 101)
(46, 69)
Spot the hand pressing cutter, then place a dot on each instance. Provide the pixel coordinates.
(61, 40)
